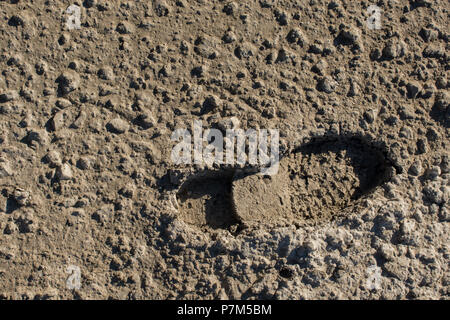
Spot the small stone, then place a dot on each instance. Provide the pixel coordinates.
(27, 121)
(128, 191)
(281, 18)
(444, 214)
(406, 233)
(416, 169)
(211, 102)
(161, 8)
(433, 173)
(64, 38)
(89, 3)
(370, 115)
(117, 126)
(125, 27)
(39, 136)
(5, 168)
(327, 85)
(9, 96)
(68, 81)
(78, 212)
(145, 120)
(320, 68)
(59, 120)
(284, 56)
(433, 193)
(64, 172)
(17, 20)
(354, 89)
(413, 88)
(244, 51)
(427, 91)
(375, 54)
(434, 51)
(63, 103)
(10, 228)
(85, 163)
(106, 73)
(228, 124)
(349, 36)
(441, 83)
(53, 158)
(79, 121)
(22, 197)
(297, 36)
(393, 50)
(445, 164)
(442, 101)
(229, 37)
(428, 34)
(422, 146)
(198, 71)
(387, 251)
(229, 8)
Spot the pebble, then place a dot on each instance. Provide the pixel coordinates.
(161, 8)
(442, 101)
(106, 73)
(244, 51)
(9, 96)
(320, 67)
(327, 85)
(146, 119)
(58, 120)
(297, 36)
(413, 88)
(22, 197)
(5, 168)
(229, 37)
(53, 158)
(125, 27)
(434, 51)
(64, 172)
(229, 8)
(68, 81)
(416, 169)
(63, 103)
(85, 163)
(39, 136)
(393, 50)
(354, 90)
(210, 103)
(349, 36)
(230, 123)
(118, 126)
(433, 173)
(428, 34)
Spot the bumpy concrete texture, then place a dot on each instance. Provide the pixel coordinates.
(88, 189)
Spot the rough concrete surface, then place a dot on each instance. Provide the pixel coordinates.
(358, 210)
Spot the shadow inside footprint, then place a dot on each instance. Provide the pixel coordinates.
(205, 201)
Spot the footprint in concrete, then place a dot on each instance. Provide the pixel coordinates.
(314, 183)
